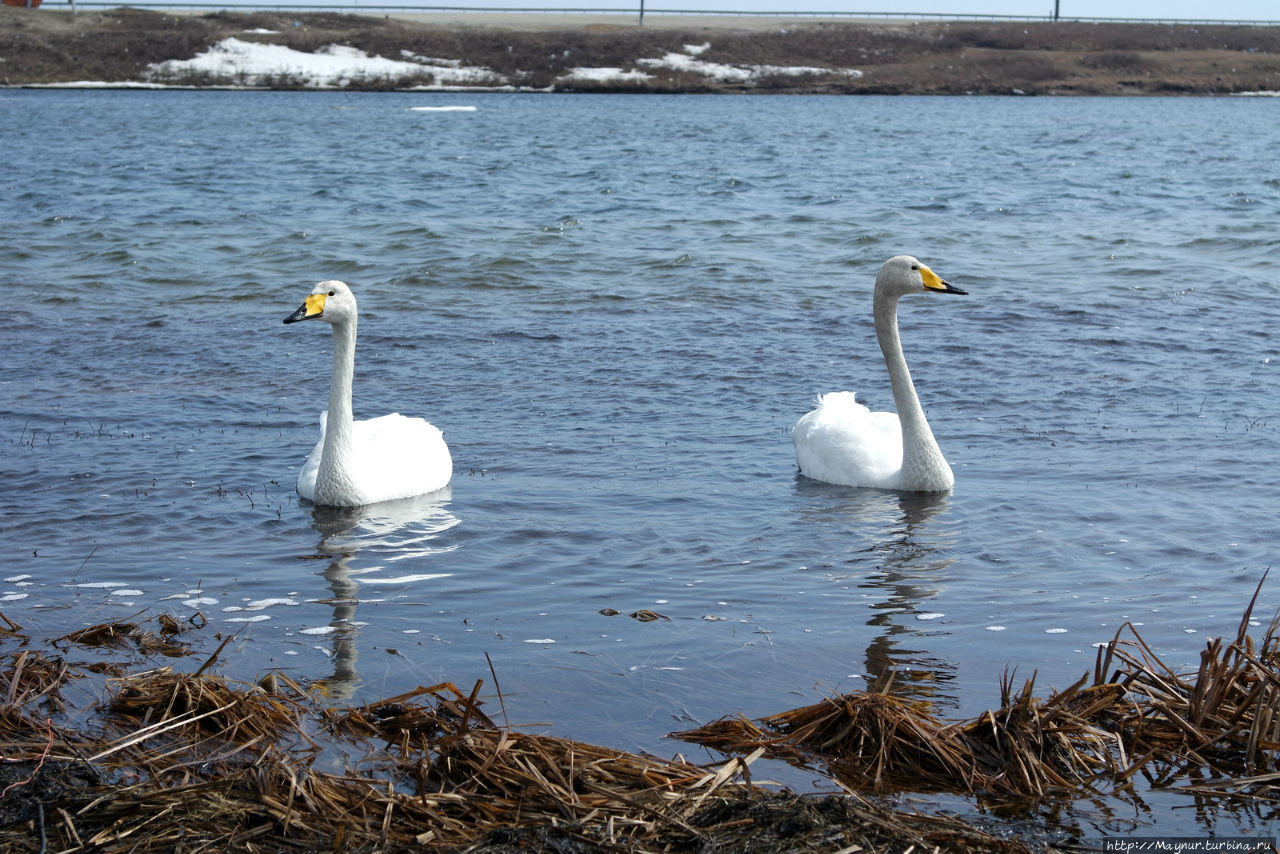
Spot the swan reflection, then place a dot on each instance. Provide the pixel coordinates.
(383, 544)
(901, 562)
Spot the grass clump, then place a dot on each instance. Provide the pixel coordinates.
(1213, 732)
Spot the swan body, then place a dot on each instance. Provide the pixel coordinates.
(842, 442)
(364, 462)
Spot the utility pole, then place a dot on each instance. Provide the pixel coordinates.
(642, 12)
(1055, 9)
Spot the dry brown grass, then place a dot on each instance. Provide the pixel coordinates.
(165, 760)
(168, 761)
(1218, 727)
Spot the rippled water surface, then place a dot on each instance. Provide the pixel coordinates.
(616, 308)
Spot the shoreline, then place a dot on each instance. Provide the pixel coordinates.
(432, 770)
(613, 52)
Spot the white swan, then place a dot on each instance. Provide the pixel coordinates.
(364, 462)
(843, 442)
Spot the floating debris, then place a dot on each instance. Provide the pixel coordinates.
(644, 615)
(127, 635)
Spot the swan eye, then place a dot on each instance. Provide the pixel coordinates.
(331, 293)
(913, 266)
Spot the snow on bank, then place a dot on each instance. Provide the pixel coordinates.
(738, 73)
(605, 75)
(248, 63)
(334, 66)
(688, 62)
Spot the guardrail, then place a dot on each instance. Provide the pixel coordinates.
(361, 8)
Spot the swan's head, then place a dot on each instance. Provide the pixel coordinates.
(330, 301)
(902, 275)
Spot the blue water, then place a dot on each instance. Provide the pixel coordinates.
(616, 308)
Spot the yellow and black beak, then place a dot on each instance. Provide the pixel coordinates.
(933, 283)
(310, 310)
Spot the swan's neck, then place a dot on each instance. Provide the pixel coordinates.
(920, 451)
(339, 427)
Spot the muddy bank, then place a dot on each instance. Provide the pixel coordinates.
(48, 46)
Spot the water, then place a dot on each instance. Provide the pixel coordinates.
(616, 308)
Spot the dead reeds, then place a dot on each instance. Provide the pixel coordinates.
(1219, 726)
(190, 761)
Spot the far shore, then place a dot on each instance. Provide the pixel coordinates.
(615, 52)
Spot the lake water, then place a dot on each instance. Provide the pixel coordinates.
(616, 308)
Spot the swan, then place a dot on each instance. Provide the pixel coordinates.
(843, 442)
(364, 462)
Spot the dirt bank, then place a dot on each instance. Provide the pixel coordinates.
(48, 46)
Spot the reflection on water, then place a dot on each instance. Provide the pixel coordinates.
(906, 539)
(362, 540)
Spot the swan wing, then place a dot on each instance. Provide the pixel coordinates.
(843, 442)
(398, 457)
(311, 465)
(391, 457)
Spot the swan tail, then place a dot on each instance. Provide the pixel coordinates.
(843, 442)
(402, 456)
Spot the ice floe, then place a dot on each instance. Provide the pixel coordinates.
(261, 604)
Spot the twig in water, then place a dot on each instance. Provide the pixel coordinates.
(91, 553)
(211, 659)
(501, 703)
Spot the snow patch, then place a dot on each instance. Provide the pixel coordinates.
(333, 66)
(737, 73)
(601, 75)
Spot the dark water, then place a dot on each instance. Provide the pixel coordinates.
(616, 308)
